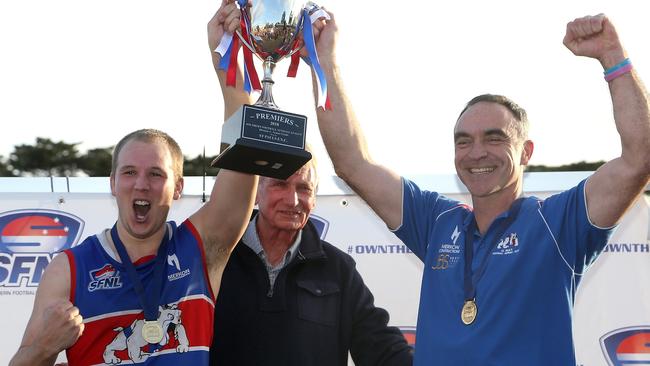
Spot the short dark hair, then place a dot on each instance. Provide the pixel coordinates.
(518, 112)
(149, 135)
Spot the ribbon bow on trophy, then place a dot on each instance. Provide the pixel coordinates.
(261, 139)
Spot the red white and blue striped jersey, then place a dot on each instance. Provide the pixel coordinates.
(113, 315)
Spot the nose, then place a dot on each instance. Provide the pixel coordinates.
(142, 182)
(291, 197)
(477, 151)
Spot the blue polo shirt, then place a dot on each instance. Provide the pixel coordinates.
(526, 294)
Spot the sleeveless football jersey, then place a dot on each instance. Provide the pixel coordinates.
(113, 315)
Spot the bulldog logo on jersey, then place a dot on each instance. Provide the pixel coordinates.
(104, 278)
(627, 346)
(138, 350)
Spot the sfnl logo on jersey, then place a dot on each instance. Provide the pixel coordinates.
(28, 241)
(627, 346)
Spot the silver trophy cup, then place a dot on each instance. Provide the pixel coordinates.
(261, 139)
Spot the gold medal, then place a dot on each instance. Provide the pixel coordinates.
(152, 332)
(468, 314)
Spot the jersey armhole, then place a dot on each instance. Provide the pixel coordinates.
(199, 242)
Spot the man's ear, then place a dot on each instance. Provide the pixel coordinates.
(527, 152)
(178, 188)
(112, 180)
(258, 193)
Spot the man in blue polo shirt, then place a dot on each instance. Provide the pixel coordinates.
(499, 278)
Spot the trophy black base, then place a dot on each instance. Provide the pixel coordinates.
(262, 159)
(263, 141)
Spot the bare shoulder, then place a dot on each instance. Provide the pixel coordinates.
(54, 288)
(55, 282)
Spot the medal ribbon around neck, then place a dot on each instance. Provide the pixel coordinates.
(148, 299)
(470, 279)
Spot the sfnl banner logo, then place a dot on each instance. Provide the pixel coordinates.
(627, 346)
(28, 241)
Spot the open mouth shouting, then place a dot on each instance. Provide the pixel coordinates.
(141, 208)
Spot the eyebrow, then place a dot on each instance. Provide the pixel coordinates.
(489, 132)
(126, 167)
(459, 135)
(496, 131)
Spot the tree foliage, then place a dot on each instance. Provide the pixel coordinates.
(47, 157)
(97, 162)
(52, 158)
(198, 166)
(581, 166)
(5, 169)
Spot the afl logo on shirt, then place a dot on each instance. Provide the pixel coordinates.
(627, 346)
(104, 278)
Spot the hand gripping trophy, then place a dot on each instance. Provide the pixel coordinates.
(261, 139)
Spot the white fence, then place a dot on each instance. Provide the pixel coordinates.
(612, 311)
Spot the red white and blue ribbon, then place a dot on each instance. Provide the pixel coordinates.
(229, 48)
(295, 56)
(312, 59)
(251, 80)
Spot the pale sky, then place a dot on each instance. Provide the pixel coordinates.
(91, 71)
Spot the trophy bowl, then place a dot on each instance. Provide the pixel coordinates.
(274, 28)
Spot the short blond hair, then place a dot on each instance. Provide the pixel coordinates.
(151, 135)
